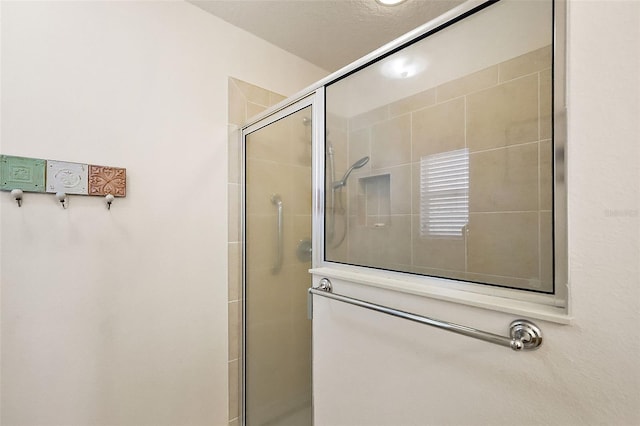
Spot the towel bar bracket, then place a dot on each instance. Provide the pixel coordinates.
(527, 333)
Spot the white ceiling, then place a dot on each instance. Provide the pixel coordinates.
(327, 33)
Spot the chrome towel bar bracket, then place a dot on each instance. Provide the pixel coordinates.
(523, 334)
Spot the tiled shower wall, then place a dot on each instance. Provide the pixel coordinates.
(245, 101)
(510, 172)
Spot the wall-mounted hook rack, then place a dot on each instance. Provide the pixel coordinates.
(61, 178)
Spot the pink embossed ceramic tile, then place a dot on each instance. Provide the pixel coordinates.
(107, 180)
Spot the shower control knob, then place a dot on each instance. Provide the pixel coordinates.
(304, 250)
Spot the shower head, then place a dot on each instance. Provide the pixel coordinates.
(342, 182)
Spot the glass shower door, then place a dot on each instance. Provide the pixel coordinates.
(277, 337)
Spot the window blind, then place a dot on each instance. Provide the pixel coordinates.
(444, 193)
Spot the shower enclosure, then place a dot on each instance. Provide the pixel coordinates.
(277, 235)
(433, 166)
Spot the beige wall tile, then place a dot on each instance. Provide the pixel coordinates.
(352, 194)
(234, 144)
(270, 143)
(234, 389)
(263, 179)
(235, 271)
(413, 103)
(237, 104)
(359, 147)
(504, 244)
(275, 98)
(336, 251)
(546, 251)
(391, 143)
(504, 179)
(438, 129)
(301, 231)
(300, 137)
(415, 188)
(392, 244)
(400, 188)
(437, 253)
(369, 118)
(339, 142)
(271, 369)
(546, 175)
(290, 236)
(265, 291)
(261, 240)
(253, 93)
(235, 322)
(335, 121)
(503, 115)
(380, 247)
(470, 83)
(546, 107)
(300, 197)
(299, 283)
(235, 422)
(528, 63)
(253, 110)
(376, 193)
(234, 212)
(359, 239)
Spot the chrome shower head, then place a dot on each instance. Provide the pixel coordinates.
(342, 182)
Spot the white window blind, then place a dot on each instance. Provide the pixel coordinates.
(444, 194)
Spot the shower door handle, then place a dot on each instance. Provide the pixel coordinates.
(276, 200)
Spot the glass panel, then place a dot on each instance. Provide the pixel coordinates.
(439, 156)
(277, 238)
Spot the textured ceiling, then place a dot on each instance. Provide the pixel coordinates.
(327, 33)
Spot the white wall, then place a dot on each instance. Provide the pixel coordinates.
(120, 317)
(371, 369)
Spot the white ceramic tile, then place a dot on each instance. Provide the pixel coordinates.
(71, 178)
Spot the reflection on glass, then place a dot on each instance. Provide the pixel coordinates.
(457, 134)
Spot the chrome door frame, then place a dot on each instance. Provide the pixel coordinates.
(317, 125)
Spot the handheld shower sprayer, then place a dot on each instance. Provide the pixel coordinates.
(342, 182)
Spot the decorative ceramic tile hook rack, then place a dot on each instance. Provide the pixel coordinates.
(23, 174)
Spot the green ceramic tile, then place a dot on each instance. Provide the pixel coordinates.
(22, 173)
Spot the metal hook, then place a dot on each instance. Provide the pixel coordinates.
(61, 196)
(17, 195)
(109, 199)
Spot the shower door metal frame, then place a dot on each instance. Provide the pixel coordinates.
(537, 305)
(554, 306)
(456, 292)
(315, 101)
